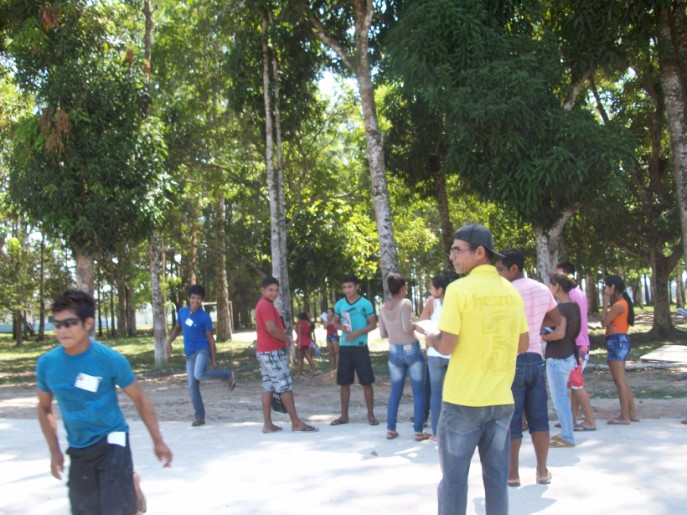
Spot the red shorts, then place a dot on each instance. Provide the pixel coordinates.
(575, 381)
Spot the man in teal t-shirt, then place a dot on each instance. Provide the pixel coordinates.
(354, 315)
(83, 376)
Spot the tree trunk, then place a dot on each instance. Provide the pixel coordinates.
(647, 291)
(193, 258)
(130, 313)
(157, 266)
(223, 315)
(121, 282)
(592, 295)
(359, 65)
(679, 287)
(547, 246)
(113, 328)
(673, 39)
(158, 302)
(375, 159)
(442, 205)
(660, 267)
(99, 302)
(275, 182)
(18, 328)
(84, 271)
(41, 293)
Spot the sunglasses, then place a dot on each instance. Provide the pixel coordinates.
(66, 323)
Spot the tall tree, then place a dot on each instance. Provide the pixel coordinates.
(672, 45)
(346, 27)
(516, 131)
(89, 166)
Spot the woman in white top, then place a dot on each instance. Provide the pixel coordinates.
(436, 362)
(405, 355)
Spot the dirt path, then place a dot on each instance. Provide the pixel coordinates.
(317, 399)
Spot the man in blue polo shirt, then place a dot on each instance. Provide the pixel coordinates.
(354, 316)
(199, 348)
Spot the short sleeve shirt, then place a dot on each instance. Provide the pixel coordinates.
(195, 325)
(580, 298)
(85, 387)
(265, 311)
(355, 314)
(487, 314)
(538, 301)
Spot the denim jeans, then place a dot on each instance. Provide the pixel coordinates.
(403, 359)
(461, 430)
(529, 394)
(197, 371)
(437, 373)
(557, 373)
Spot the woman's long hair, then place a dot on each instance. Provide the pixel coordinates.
(617, 282)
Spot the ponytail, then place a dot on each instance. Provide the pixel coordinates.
(630, 309)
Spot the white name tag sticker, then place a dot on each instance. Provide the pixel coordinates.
(88, 383)
(117, 438)
(189, 322)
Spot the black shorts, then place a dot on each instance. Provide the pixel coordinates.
(101, 480)
(354, 359)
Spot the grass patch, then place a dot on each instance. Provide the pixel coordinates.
(19, 363)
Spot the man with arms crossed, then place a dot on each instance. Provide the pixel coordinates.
(529, 386)
(200, 350)
(83, 376)
(483, 327)
(272, 356)
(354, 316)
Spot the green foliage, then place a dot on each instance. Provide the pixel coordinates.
(90, 165)
(497, 84)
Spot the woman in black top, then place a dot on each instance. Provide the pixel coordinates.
(561, 356)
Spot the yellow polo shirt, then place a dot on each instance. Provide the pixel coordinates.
(488, 315)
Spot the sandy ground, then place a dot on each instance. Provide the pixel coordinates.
(222, 467)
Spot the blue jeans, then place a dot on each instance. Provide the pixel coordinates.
(461, 430)
(406, 358)
(437, 373)
(557, 372)
(529, 394)
(197, 371)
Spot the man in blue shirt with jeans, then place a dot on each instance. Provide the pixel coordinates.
(200, 350)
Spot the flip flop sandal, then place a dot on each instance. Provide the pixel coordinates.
(306, 429)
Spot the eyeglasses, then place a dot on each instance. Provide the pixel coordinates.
(66, 323)
(457, 250)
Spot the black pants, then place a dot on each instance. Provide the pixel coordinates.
(101, 480)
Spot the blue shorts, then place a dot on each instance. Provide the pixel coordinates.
(618, 346)
(529, 395)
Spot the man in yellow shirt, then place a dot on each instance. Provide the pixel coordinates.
(483, 327)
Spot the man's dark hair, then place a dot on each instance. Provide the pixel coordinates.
(513, 257)
(395, 282)
(566, 266)
(197, 289)
(78, 301)
(350, 278)
(268, 281)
